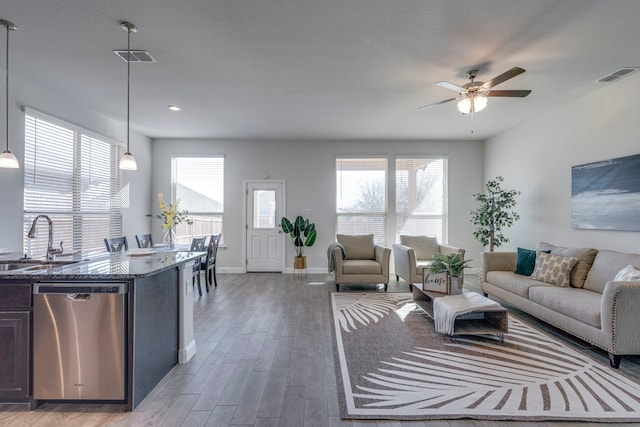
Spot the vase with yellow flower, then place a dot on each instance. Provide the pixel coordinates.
(171, 216)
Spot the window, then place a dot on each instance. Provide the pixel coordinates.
(361, 202)
(72, 176)
(421, 197)
(198, 184)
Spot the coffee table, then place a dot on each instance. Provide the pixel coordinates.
(477, 321)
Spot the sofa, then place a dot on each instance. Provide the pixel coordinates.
(356, 259)
(415, 253)
(589, 293)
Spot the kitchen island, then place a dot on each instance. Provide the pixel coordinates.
(156, 317)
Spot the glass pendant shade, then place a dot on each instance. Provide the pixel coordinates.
(479, 104)
(128, 162)
(8, 160)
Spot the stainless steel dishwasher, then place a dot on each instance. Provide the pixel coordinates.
(79, 340)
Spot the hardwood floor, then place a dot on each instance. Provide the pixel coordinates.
(264, 359)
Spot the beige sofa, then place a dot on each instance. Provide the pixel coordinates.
(415, 253)
(593, 307)
(357, 260)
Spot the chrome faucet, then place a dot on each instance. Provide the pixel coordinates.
(51, 253)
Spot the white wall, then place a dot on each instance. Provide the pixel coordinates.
(536, 158)
(308, 167)
(29, 94)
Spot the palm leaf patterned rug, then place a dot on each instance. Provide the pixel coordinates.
(391, 364)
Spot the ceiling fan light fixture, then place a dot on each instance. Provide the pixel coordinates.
(472, 104)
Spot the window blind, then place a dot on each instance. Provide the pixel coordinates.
(71, 175)
(198, 185)
(421, 197)
(361, 201)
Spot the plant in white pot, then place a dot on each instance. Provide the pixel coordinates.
(303, 235)
(452, 264)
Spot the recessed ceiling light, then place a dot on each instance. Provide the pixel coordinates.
(174, 108)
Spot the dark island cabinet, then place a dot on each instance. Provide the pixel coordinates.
(15, 342)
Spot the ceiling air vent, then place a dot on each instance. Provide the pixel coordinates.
(136, 55)
(617, 74)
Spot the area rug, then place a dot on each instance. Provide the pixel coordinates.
(391, 364)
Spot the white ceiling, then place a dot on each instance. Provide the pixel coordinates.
(319, 69)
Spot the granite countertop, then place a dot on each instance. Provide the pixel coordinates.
(123, 265)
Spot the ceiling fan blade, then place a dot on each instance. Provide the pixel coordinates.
(424, 107)
(515, 71)
(451, 86)
(509, 93)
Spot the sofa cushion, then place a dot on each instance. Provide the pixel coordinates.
(579, 304)
(514, 283)
(605, 267)
(553, 269)
(628, 274)
(361, 266)
(359, 246)
(585, 260)
(526, 261)
(424, 246)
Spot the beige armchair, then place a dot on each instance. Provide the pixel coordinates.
(362, 261)
(415, 253)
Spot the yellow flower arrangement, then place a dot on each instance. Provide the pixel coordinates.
(171, 215)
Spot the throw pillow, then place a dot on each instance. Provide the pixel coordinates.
(424, 246)
(553, 269)
(628, 274)
(358, 246)
(526, 261)
(585, 260)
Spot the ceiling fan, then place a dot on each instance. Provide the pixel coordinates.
(472, 97)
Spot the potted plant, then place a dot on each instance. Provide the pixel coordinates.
(298, 229)
(493, 213)
(453, 265)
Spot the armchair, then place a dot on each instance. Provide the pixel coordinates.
(414, 253)
(363, 263)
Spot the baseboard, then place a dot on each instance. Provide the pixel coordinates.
(314, 270)
(185, 354)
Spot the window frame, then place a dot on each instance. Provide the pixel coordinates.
(79, 204)
(384, 214)
(187, 232)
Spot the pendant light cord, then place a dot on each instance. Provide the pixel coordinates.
(6, 109)
(128, 81)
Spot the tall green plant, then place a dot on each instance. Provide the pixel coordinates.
(298, 229)
(493, 214)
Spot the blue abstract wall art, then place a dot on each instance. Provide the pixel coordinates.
(605, 195)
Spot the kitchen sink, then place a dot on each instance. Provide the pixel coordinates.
(19, 266)
(5, 266)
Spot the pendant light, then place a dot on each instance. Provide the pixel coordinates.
(7, 158)
(127, 161)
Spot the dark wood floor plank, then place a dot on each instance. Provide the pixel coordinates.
(247, 408)
(292, 414)
(271, 403)
(221, 416)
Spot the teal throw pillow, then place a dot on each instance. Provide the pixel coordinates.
(526, 261)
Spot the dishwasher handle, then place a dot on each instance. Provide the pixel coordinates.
(79, 288)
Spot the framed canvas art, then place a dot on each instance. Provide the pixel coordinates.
(605, 195)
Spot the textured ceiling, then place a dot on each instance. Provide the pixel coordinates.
(319, 69)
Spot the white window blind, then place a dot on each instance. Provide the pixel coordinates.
(361, 202)
(421, 197)
(198, 185)
(71, 175)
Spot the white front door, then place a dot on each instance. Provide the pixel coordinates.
(265, 240)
